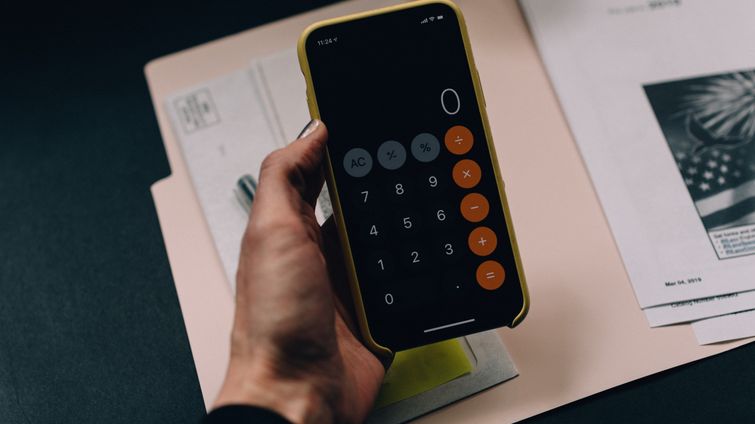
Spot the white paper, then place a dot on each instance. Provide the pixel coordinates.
(729, 327)
(692, 310)
(224, 131)
(602, 56)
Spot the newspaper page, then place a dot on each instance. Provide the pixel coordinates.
(660, 97)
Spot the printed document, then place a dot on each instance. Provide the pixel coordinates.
(660, 97)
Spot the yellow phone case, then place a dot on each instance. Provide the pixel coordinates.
(333, 189)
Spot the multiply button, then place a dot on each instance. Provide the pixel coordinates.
(490, 275)
(482, 241)
(357, 162)
(425, 147)
(467, 173)
(459, 140)
(474, 207)
(391, 155)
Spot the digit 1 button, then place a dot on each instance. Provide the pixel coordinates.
(425, 147)
(490, 275)
(482, 241)
(379, 265)
(467, 173)
(459, 140)
(357, 162)
(474, 207)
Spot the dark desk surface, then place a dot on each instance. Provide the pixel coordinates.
(90, 327)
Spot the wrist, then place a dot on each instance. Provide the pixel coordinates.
(298, 399)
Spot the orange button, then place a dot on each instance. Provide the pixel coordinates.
(482, 241)
(490, 275)
(467, 173)
(459, 140)
(474, 207)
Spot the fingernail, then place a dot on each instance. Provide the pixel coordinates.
(309, 128)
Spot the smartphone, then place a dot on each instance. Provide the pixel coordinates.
(413, 176)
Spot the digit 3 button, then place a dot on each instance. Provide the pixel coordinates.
(357, 162)
(391, 155)
(425, 147)
(490, 275)
(466, 173)
(458, 140)
(474, 207)
(482, 241)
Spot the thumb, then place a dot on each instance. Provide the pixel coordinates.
(297, 166)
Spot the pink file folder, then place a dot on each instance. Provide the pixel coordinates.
(585, 332)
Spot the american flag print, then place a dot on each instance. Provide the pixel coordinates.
(709, 125)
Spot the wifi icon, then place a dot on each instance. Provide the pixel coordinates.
(432, 18)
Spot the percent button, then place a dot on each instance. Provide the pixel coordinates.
(425, 147)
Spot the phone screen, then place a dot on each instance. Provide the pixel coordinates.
(414, 176)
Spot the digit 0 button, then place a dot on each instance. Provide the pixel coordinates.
(459, 140)
(357, 162)
(482, 241)
(474, 207)
(467, 173)
(490, 275)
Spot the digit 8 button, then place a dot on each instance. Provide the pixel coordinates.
(466, 173)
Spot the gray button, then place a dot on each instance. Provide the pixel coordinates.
(425, 147)
(357, 162)
(391, 155)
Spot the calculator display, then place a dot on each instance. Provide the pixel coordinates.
(414, 177)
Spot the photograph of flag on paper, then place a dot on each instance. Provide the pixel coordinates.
(709, 125)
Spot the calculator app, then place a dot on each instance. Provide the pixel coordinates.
(414, 176)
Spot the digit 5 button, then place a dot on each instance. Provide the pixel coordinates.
(482, 241)
(466, 173)
(459, 140)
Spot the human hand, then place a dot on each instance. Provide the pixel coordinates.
(293, 346)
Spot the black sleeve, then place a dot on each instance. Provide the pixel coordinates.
(246, 414)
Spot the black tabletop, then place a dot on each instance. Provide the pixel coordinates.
(90, 326)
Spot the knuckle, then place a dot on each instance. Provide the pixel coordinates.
(275, 159)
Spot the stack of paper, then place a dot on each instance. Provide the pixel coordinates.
(660, 97)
